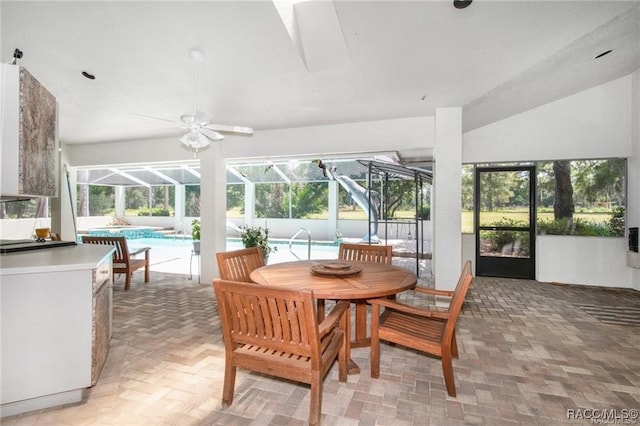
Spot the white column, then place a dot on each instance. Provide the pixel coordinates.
(120, 200)
(56, 202)
(213, 209)
(447, 192)
(249, 203)
(332, 220)
(179, 200)
(65, 207)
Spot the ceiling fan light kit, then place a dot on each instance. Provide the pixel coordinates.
(194, 140)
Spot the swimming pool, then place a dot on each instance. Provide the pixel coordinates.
(173, 255)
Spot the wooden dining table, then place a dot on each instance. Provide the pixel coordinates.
(355, 281)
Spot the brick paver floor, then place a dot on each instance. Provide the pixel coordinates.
(530, 354)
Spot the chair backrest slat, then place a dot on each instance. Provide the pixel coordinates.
(371, 253)
(237, 265)
(121, 255)
(274, 318)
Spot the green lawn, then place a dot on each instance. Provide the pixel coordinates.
(492, 217)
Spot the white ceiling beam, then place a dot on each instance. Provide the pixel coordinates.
(279, 172)
(190, 170)
(286, 10)
(162, 176)
(316, 32)
(237, 174)
(130, 177)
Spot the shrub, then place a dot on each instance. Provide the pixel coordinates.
(501, 238)
(424, 213)
(195, 229)
(257, 237)
(155, 212)
(578, 226)
(616, 223)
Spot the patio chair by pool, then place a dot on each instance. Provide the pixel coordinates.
(124, 262)
(425, 330)
(274, 331)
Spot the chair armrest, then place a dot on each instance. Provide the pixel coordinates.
(334, 316)
(144, 250)
(403, 307)
(446, 293)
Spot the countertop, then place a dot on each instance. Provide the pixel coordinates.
(82, 256)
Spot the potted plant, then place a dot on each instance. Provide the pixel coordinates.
(256, 236)
(195, 235)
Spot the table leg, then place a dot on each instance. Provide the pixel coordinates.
(352, 367)
(361, 340)
(320, 310)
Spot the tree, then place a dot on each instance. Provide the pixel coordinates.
(309, 198)
(235, 196)
(271, 200)
(495, 188)
(467, 187)
(192, 204)
(563, 206)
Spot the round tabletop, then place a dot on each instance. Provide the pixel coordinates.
(375, 279)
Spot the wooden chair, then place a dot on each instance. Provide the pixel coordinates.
(274, 331)
(426, 330)
(124, 262)
(371, 253)
(237, 265)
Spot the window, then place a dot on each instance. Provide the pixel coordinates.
(582, 197)
(573, 197)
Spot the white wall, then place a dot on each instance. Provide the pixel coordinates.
(582, 260)
(597, 123)
(321, 230)
(370, 136)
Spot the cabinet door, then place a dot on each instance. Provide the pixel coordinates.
(101, 329)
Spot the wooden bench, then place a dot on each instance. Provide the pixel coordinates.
(124, 262)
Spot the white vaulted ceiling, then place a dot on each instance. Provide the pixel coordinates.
(329, 62)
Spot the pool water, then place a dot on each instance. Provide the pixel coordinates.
(174, 255)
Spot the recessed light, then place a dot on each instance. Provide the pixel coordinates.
(89, 76)
(603, 53)
(461, 4)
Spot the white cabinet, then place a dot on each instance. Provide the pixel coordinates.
(55, 325)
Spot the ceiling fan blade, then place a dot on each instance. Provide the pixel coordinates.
(230, 129)
(199, 118)
(158, 118)
(211, 134)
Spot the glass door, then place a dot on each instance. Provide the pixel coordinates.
(505, 221)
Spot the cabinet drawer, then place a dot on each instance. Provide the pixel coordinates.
(101, 274)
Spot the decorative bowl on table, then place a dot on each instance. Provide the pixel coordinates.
(335, 269)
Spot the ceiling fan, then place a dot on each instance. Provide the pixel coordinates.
(200, 128)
